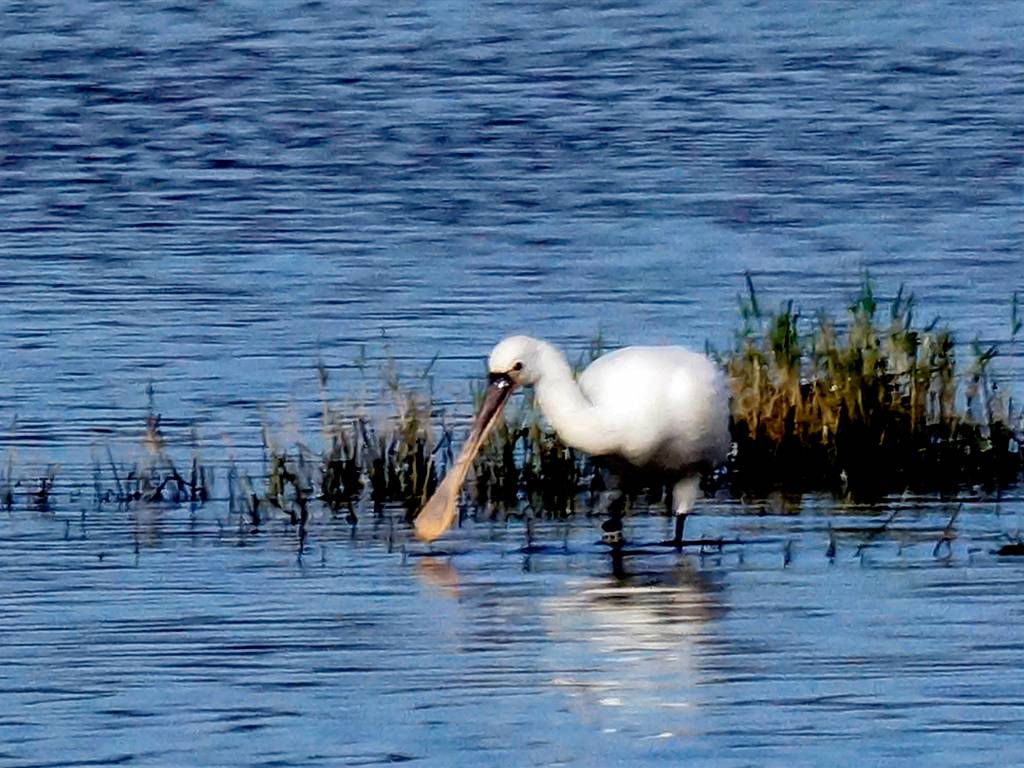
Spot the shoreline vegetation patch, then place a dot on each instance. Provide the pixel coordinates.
(868, 405)
(864, 405)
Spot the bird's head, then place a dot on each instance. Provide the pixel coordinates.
(516, 359)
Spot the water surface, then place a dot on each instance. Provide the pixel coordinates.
(151, 638)
(209, 198)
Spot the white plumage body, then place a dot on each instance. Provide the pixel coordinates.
(667, 407)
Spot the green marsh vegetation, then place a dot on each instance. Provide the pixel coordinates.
(393, 457)
(861, 405)
(868, 404)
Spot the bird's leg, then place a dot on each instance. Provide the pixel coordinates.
(611, 529)
(613, 501)
(684, 496)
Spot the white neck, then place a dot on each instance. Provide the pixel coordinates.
(574, 418)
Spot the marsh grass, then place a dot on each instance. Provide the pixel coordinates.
(874, 404)
(154, 477)
(394, 456)
(863, 405)
(525, 460)
(399, 456)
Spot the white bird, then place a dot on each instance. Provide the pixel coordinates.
(656, 408)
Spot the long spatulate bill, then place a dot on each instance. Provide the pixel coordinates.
(438, 513)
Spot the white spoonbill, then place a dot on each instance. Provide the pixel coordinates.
(656, 408)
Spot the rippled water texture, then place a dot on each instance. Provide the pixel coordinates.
(155, 639)
(209, 197)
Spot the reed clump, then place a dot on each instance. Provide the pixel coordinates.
(395, 457)
(154, 478)
(525, 460)
(871, 405)
(399, 457)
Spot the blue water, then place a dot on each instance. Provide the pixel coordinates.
(194, 650)
(210, 197)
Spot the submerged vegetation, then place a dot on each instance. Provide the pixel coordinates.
(863, 405)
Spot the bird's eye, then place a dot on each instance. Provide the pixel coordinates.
(518, 366)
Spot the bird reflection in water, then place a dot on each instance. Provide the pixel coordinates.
(635, 642)
(625, 648)
(439, 575)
